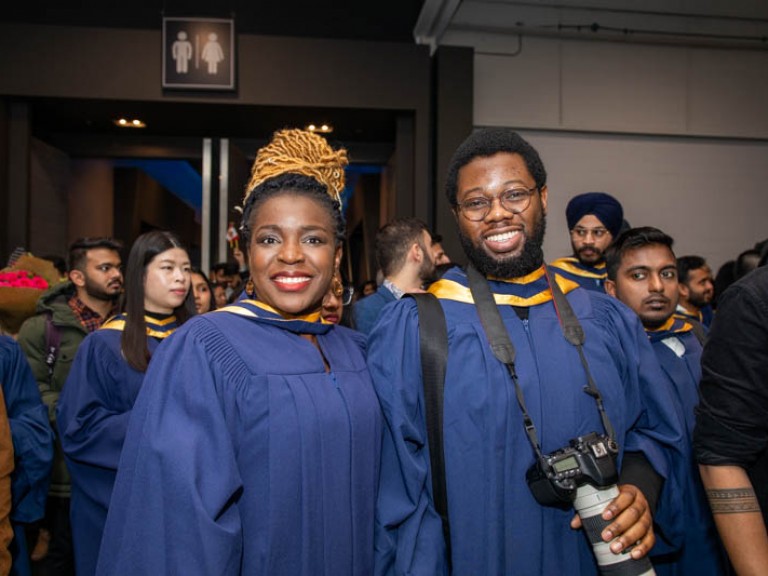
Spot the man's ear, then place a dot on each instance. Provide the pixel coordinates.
(416, 254)
(77, 277)
(610, 288)
(683, 290)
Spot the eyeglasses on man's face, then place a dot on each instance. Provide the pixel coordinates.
(346, 295)
(597, 233)
(514, 200)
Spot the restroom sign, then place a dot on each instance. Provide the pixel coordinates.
(199, 53)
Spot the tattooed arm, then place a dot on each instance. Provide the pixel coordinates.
(738, 518)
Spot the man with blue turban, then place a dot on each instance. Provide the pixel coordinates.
(594, 219)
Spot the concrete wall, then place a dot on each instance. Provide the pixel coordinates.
(679, 134)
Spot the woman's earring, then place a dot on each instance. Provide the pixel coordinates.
(250, 288)
(337, 287)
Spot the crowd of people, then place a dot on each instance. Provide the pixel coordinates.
(604, 413)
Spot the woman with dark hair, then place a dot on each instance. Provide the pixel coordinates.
(339, 296)
(95, 405)
(202, 289)
(254, 444)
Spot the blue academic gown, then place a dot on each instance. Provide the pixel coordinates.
(589, 277)
(366, 310)
(497, 528)
(245, 456)
(679, 353)
(32, 446)
(92, 416)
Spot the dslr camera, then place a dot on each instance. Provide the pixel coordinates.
(583, 475)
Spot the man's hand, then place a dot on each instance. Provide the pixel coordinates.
(632, 522)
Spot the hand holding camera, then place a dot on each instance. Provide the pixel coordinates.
(616, 521)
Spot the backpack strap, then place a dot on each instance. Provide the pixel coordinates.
(433, 346)
(698, 330)
(52, 343)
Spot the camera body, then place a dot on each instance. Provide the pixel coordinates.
(583, 476)
(590, 459)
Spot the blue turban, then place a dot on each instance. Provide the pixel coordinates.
(603, 206)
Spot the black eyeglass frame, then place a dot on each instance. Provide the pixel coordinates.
(488, 203)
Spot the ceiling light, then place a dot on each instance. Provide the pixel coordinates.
(125, 123)
(322, 129)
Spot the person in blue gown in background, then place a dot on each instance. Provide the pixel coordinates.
(32, 446)
(254, 443)
(106, 376)
(642, 273)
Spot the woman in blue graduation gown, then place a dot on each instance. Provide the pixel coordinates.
(106, 376)
(254, 444)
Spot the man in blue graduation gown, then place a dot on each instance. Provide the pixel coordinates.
(594, 220)
(405, 254)
(497, 187)
(642, 273)
(697, 289)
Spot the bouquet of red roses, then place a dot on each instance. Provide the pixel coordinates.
(21, 286)
(22, 279)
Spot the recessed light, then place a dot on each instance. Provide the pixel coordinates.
(323, 128)
(125, 123)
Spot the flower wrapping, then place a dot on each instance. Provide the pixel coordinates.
(21, 286)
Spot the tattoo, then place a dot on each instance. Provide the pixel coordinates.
(733, 501)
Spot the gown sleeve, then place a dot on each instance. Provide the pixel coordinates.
(408, 530)
(31, 433)
(174, 508)
(91, 414)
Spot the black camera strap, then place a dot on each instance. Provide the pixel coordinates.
(504, 351)
(574, 333)
(502, 347)
(433, 346)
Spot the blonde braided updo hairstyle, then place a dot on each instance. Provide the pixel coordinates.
(297, 161)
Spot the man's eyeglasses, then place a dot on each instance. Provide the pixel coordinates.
(597, 233)
(515, 201)
(346, 295)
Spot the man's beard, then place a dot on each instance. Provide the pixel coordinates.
(529, 260)
(95, 291)
(427, 270)
(699, 300)
(594, 260)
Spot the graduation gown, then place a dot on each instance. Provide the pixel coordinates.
(32, 446)
(589, 277)
(245, 456)
(497, 528)
(679, 354)
(92, 416)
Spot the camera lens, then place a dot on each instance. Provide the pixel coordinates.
(590, 503)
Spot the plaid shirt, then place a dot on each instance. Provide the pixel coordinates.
(88, 318)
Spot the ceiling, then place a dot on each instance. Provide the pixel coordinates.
(392, 20)
(84, 128)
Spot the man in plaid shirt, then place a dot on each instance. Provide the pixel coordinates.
(66, 314)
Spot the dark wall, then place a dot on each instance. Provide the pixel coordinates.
(141, 204)
(122, 64)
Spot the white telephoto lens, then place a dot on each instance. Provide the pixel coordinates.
(590, 503)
